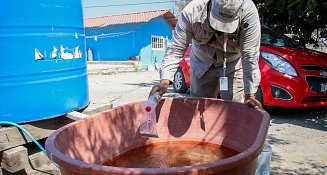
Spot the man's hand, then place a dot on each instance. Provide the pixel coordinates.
(251, 101)
(161, 87)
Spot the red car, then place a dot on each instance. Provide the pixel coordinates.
(291, 75)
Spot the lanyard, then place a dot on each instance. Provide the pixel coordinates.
(225, 53)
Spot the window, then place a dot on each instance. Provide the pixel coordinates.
(158, 43)
(271, 38)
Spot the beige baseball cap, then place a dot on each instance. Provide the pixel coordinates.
(225, 14)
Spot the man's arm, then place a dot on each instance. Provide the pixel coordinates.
(174, 54)
(176, 49)
(250, 49)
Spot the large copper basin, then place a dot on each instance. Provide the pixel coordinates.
(81, 147)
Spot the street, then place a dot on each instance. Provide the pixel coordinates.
(298, 137)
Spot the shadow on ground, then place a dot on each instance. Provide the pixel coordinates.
(315, 169)
(312, 168)
(143, 84)
(314, 118)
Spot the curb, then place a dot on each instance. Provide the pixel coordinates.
(112, 67)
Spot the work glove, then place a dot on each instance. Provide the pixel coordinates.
(251, 101)
(162, 87)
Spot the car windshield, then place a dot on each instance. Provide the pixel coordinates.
(270, 38)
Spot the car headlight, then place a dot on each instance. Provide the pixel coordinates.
(278, 63)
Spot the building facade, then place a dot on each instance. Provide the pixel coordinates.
(140, 36)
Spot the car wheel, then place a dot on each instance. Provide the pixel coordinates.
(259, 96)
(179, 82)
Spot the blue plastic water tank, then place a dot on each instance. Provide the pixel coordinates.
(43, 59)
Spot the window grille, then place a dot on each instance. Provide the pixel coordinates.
(158, 43)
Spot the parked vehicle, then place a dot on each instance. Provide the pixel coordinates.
(291, 75)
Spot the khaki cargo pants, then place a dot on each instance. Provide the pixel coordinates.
(208, 84)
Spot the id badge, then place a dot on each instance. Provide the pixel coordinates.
(223, 83)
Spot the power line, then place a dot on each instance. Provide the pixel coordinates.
(117, 5)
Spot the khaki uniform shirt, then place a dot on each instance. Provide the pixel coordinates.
(193, 26)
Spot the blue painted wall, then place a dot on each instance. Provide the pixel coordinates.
(118, 42)
(156, 27)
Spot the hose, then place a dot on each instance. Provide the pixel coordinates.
(31, 137)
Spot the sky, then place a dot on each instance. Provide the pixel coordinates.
(95, 8)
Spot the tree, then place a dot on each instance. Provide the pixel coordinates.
(300, 17)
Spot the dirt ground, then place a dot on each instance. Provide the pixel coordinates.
(298, 137)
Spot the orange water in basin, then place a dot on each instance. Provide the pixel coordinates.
(171, 154)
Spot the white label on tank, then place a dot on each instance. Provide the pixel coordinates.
(38, 55)
(77, 53)
(65, 55)
(70, 53)
(54, 52)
